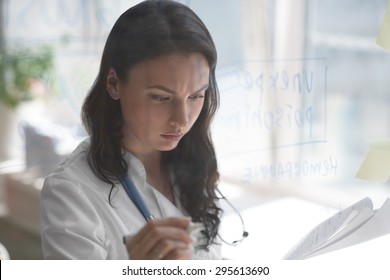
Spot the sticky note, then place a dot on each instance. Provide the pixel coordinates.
(376, 166)
(383, 39)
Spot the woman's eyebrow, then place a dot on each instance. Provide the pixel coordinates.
(202, 88)
(160, 87)
(171, 91)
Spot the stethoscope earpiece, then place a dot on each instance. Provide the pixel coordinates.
(244, 232)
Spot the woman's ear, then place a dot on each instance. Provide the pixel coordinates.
(112, 84)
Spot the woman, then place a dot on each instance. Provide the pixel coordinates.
(148, 115)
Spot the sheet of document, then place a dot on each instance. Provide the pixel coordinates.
(377, 226)
(372, 251)
(322, 234)
(354, 224)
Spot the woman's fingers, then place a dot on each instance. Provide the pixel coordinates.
(180, 222)
(155, 230)
(158, 233)
(171, 250)
(162, 239)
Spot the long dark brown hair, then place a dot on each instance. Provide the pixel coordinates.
(148, 30)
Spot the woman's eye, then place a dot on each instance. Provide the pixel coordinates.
(160, 98)
(196, 97)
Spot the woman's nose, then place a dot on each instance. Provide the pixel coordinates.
(180, 117)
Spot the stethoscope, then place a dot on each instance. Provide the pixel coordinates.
(135, 196)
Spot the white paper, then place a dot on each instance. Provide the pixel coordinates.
(362, 225)
(377, 226)
(322, 234)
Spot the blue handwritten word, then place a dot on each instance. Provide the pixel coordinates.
(290, 170)
(282, 117)
(268, 81)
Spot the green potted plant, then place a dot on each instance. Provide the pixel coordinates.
(19, 69)
(22, 72)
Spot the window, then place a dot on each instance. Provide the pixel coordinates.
(303, 85)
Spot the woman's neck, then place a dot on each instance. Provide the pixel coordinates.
(151, 159)
(156, 176)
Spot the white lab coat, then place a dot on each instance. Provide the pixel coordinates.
(78, 222)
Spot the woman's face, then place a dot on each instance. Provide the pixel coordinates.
(161, 100)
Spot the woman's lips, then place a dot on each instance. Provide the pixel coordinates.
(173, 136)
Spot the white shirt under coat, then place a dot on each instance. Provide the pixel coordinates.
(78, 222)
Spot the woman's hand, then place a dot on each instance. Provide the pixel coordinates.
(160, 239)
